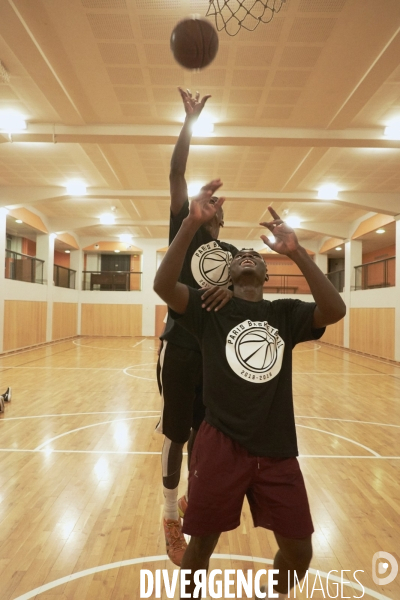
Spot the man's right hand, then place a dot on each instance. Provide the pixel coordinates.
(193, 105)
(201, 209)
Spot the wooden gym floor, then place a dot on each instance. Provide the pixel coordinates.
(80, 478)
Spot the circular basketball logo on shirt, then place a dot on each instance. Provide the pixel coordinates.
(254, 351)
(210, 265)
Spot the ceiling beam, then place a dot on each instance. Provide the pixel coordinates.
(222, 136)
(377, 202)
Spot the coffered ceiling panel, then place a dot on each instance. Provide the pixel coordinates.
(298, 102)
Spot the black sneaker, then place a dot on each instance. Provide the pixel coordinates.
(7, 395)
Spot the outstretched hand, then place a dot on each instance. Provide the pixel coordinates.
(193, 105)
(201, 209)
(286, 240)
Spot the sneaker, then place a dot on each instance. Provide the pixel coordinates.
(7, 395)
(174, 540)
(182, 506)
(1, 404)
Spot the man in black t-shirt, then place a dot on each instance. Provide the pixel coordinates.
(247, 444)
(179, 369)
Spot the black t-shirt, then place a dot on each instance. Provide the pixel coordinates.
(247, 368)
(206, 263)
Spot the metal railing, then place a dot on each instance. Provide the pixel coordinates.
(123, 281)
(286, 284)
(23, 267)
(377, 274)
(64, 277)
(337, 279)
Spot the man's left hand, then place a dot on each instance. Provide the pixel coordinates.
(285, 241)
(215, 298)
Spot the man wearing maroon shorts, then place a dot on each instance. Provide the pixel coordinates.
(247, 445)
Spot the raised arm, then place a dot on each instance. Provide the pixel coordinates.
(330, 306)
(166, 283)
(177, 182)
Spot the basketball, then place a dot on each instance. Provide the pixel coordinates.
(194, 43)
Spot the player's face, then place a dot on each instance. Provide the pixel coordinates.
(248, 262)
(213, 226)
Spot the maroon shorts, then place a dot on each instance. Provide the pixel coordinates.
(222, 473)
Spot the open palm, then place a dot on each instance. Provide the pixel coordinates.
(201, 209)
(285, 239)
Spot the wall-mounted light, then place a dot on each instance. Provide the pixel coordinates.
(338, 248)
(117, 251)
(67, 251)
(18, 221)
(380, 230)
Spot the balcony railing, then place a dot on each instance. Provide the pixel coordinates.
(116, 281)
(337, 279)
(286, 284)
(64, 277)
(377, 274)
(23, 267)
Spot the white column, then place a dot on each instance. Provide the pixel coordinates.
(45, 251)
(149, 267)
(3, 244)
(397, 295)
(321, 260)
(76, 263)
(352, 258)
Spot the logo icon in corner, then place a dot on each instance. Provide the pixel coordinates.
(382, 568)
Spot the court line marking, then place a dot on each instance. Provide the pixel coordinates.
(348, 421)
(341, 437)
(160, 558)
(138, 452)
(131, 349)
(137, 366)
(111, 412)
(317, 347)
(57, 437)
(137, 376)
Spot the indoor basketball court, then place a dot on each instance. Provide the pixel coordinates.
(304, 115)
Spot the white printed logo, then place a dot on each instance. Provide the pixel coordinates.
(254, 351)
(381, 568)
(210, 265)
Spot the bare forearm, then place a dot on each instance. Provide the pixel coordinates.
(166, 283)
(330, 305)
(181, 150)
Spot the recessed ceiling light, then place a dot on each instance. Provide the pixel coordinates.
(126, 238)
(392, 131)
(12, 122)
(18, 221)
(380, 230)
(204, 126)
(194, 188)
(293, 221)
(329, 191)
(76, 187)
(67, 251)
(338, 248)
(107, 219)
(117, 251)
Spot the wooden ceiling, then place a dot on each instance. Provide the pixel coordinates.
(297, 103)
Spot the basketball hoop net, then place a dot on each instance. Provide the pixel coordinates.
(232, 15)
